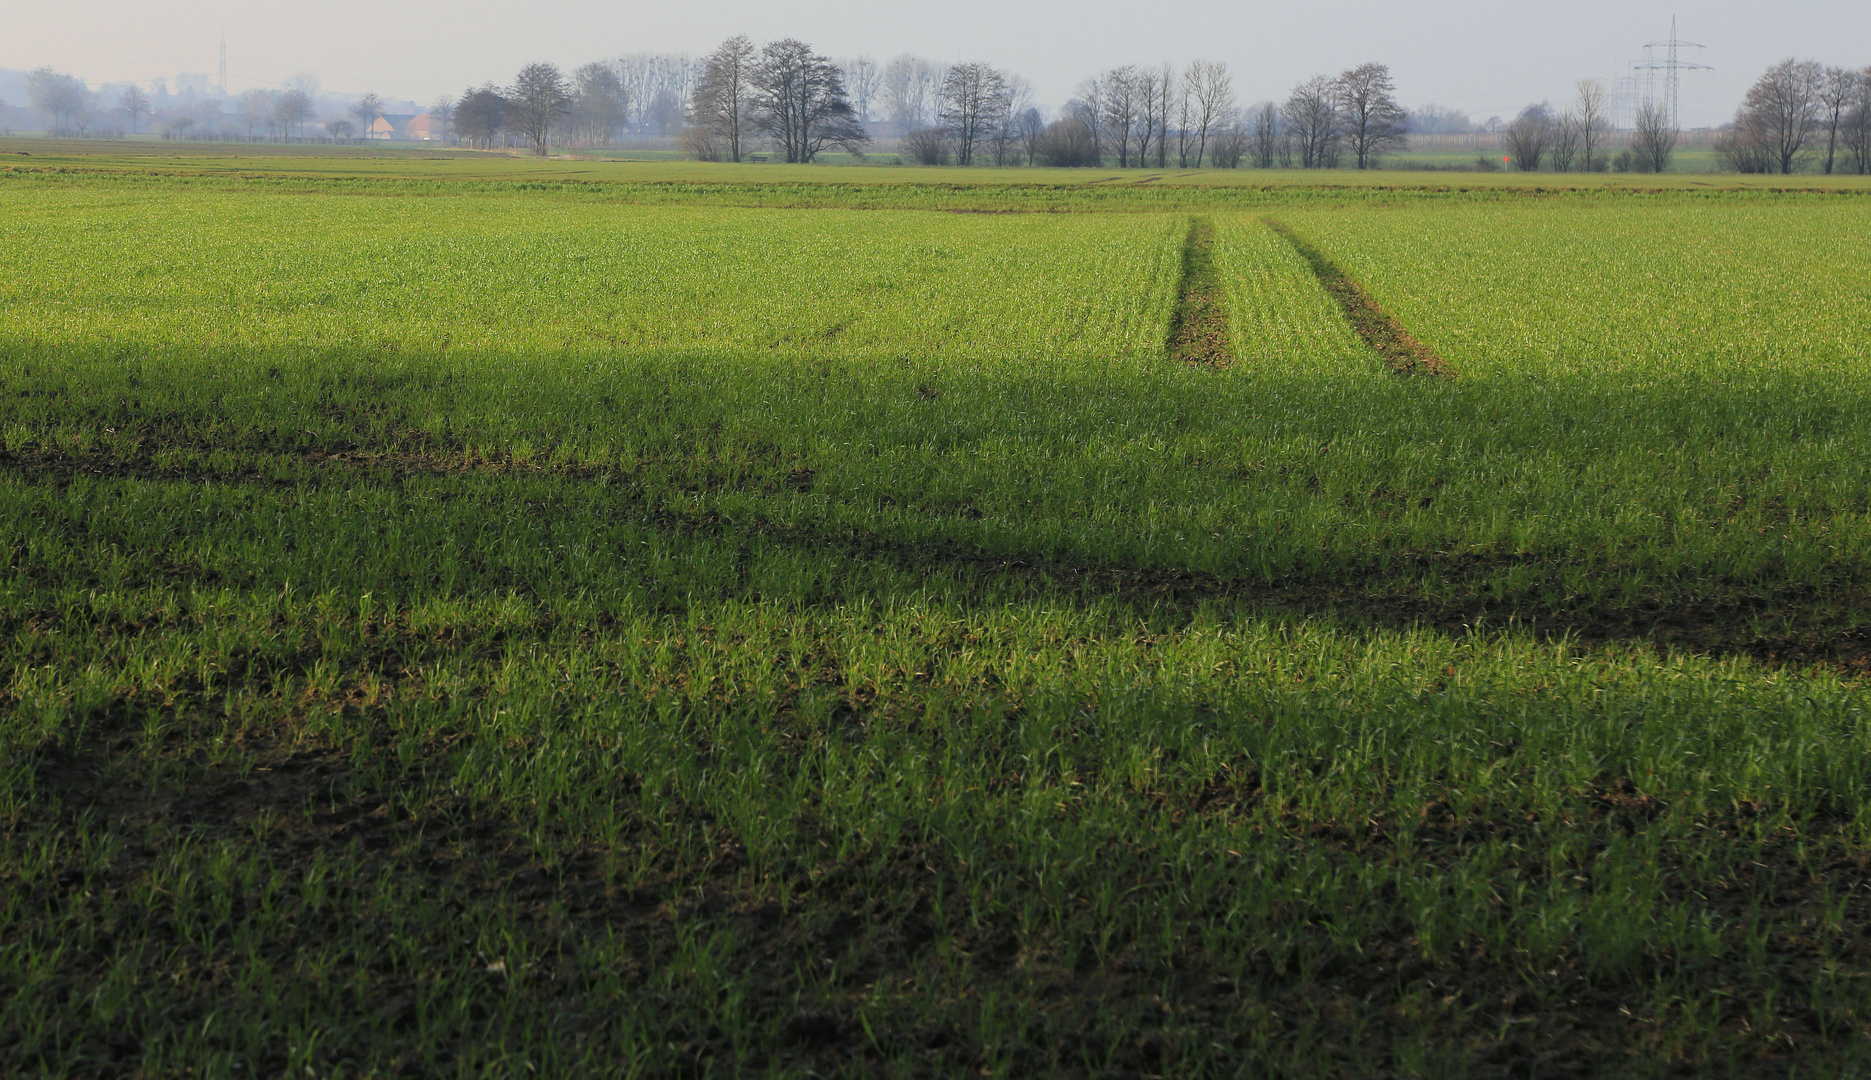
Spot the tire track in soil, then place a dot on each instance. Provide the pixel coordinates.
(1198, 329)
(1381, 330)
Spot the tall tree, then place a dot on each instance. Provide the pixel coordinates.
(719, 105)
(1781, 112)
(1032, 129)
(910, 86)
(480, 115)
(1653, 142)
(538, 97)
(1209, 89)
(290, 112)
(1088, 109)
(863, 79)
(1527, 138)
(799, 99)
(1837, 87)
(1374, 122)
(256, 108)
(656, 86)
(1008, 137)
(62, 98)
(1858, 124)
(1562, 143)
(601, 102)
(443, 109)
(1265, 136)
(135, 103)
(1313, 121)
(1591, 111)
(974, 104)
(367, 108)
(1121, 109)
(1159, 88)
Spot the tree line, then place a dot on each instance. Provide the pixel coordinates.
(1800, 112)
(788, 100)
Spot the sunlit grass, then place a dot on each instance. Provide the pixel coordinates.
(455, 628)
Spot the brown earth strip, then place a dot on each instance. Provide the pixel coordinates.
(1198, 329)
(1379, 328)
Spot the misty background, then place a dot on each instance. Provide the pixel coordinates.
(1483, 60)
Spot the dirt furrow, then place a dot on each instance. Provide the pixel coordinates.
(1379, 328)
(1198, 331)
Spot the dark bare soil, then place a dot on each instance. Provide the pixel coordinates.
(1198, 330)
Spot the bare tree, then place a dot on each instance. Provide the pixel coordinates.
(655, 86)
(1312, 118)
(367, 108)
(1120, 109)
(305, 83)
(1591, 111)
(974, 103)
(863, 78)
(1434, 119)
(1837, 87)
(1032, 128)
(720, 102)
(1159, 88)
(1562, 148)
(1184, 121)
(1654, 141)
(538, 98)
(256, 108)
(1858, 124)
(340, 128)
(135, 103)
(62, 98)
(443, 109)
(1527, 139)
(925, 146)
(1228, 145)
(1067, 143)
(480, 114)
(1209, 89)
(1088, 109)
(600, 101)
(1007, 130)
(290, 111)
(799, 99)
(1781, 113)
(1374, 122)
(1265, 136)
(909, 87)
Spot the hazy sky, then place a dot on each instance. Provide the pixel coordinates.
(1484, 58)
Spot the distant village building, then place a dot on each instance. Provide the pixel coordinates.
(426, 128)
(383, 127)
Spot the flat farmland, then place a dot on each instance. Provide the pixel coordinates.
(487, 626)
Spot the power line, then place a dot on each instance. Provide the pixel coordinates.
(1672, 68)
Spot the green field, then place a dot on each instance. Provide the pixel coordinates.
(477, 617)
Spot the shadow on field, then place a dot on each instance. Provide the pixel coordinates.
(1690, 610)
(343, 827)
